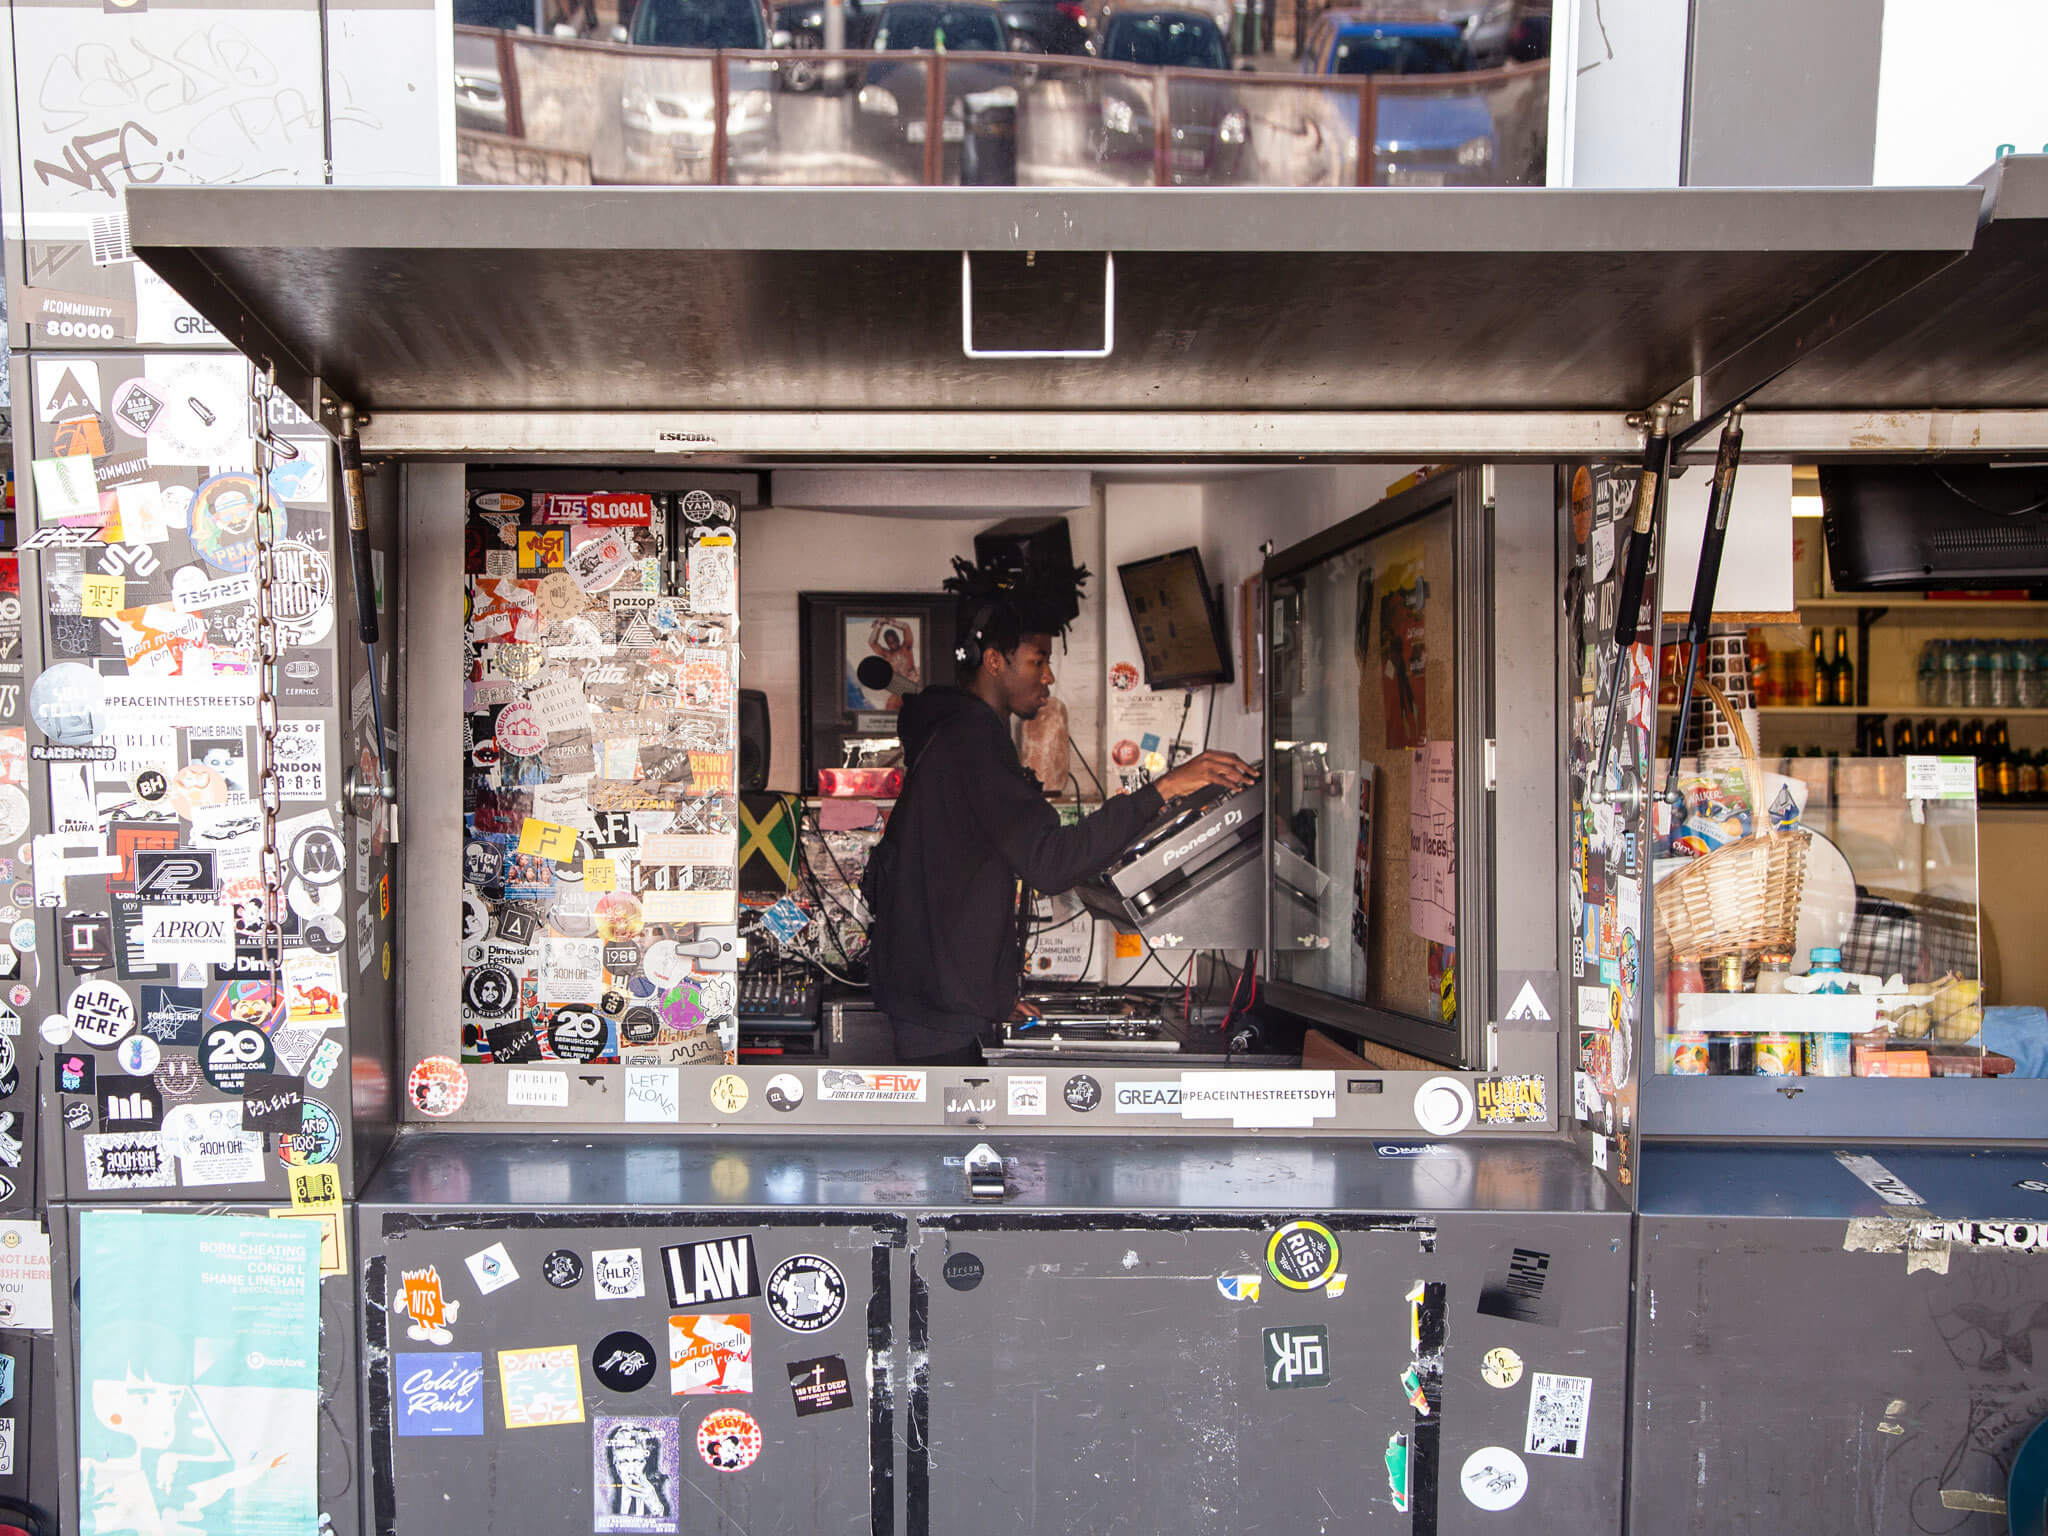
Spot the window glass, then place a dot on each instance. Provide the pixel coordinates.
(1176, 42)
(972, 29)
(699, 24)
(1379, 53)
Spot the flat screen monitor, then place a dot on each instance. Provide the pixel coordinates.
(1181, 634)
(1908, 527)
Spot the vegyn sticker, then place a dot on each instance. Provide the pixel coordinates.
(888, 1086)
(1156, 1098)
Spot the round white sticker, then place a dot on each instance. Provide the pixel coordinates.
(1494, 1478)
(100, 1012)
(1500, 1367)
(55, 1029)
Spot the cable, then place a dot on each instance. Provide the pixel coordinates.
(1100, 792)
(1209, 717)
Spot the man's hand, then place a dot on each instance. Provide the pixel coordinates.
(1197, 774)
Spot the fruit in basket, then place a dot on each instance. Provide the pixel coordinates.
(1957, 1009)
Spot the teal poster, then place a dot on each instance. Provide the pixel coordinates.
(198, 1373)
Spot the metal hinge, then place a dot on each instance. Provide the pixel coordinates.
(985, 1179)
(1492, 764)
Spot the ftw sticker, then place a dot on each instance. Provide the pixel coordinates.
(723, 1269)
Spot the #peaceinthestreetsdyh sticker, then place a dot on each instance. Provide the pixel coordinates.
(1302, 1255)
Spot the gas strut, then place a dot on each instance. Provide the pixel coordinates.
(365, 581)
(1720, 496)
(1628, 617)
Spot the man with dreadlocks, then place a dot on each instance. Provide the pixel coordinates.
(973, 834)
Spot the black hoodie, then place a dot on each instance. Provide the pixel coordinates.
(971, 823)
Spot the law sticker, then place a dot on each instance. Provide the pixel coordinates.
(1557, 1414)
(1494, 1478)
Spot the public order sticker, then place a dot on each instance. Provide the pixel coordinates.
(1557, 1415)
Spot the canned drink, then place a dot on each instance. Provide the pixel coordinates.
(1778, 1056)
(1830, 1056)
(1688, 1056)
(1731, 1055)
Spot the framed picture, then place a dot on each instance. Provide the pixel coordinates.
(844, 719)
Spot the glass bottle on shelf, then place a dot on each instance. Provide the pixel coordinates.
(1974, 738)
(1844, 670)
(2005, 773)
(2029, 776)
(1902, 737)
(1976, 677)
(1951, 675)
(1950, 742)
(2026, 681)
(1823, 688)
(1926, 737)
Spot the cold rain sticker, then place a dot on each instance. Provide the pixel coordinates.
(440, 1394)
(1302, 1255)
(636, 1465)
(1557, 1415)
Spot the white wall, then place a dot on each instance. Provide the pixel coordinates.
(1618, 105)
(787, 550)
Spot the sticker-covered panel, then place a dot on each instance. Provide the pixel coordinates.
(631, 1373)
(1609, 964)
(599, 792)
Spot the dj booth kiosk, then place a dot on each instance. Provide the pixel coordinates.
(1097, 1335)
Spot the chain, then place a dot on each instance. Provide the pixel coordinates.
(268, 655)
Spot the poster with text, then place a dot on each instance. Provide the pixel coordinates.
(198, 1375)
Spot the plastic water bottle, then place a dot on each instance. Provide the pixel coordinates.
(1928, 689)
(1976, 677)
(1952, 675)
(1998, 661)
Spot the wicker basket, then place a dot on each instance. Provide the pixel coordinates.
(1743, 898)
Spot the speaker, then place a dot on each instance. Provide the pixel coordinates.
(754, 739)
(1010, 547)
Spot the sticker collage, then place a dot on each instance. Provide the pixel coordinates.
(179, 1061)
(600, 793)
(712, 1288)
(1609, 844)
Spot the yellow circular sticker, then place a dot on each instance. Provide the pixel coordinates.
(1500, 1367)
(1302, 1255)
(729, 1093)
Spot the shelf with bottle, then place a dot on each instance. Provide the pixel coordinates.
(2006, 774)
(1895, 707)
(1909, 603)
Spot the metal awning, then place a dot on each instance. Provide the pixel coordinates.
(540, 319)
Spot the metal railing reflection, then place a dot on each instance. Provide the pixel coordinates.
(570, 111)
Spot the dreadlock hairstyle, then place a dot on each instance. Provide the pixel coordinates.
(996, 606)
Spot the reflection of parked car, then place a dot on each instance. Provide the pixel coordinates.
(804, 21)
(479, 92)
(892, 100)
(1047, 26)
(1435, 138)
(1209, 127)
(666, 105)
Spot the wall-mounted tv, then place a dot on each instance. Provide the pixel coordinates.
(1182, 636)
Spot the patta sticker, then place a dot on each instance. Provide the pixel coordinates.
(729, 1440)
(1302, 1255)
